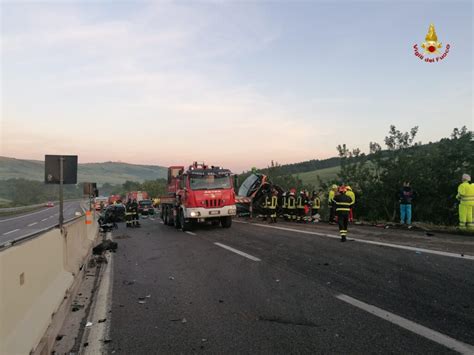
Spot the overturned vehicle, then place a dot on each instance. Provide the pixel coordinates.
(252, 192)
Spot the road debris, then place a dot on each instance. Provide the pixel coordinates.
(102, 320)
(105, 245)
(171, 278)
(128, 283)
(184, 320)
(89, 324)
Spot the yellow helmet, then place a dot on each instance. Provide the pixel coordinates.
(348, 188)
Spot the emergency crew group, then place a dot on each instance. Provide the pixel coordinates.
(304, 208)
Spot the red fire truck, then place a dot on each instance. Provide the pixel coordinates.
(199, 194)
(136, 195)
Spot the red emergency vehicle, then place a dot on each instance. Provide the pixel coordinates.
(199, 194)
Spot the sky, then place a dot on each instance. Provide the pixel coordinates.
(231, 83)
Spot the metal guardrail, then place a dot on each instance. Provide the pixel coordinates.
(36, 233)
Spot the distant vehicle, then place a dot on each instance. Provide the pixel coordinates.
(145, 207)
(100, 200)
(136, 195)
(114, 198)
(49, 204)
(201, 193)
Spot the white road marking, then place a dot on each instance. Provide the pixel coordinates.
(416, 328)
(238, 252)
(32, 224)
(22, 216)
(13, 231)
(44, 219)
(190, 233)
(397, 246)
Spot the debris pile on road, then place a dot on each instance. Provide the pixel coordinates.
(105, 245)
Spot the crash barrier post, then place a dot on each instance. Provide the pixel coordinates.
(88, 217)
(36, 276)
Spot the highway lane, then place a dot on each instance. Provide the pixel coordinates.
(12, 227)
(250, 289)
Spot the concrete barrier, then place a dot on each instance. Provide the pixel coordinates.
(35, 275)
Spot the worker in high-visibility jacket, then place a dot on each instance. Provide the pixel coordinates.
(331, 205)
(128, 214)
(291, 205)
(315, 206)
(351, 194)
(343, 205)
(466, 202)
(300, 203)
(272, 207)
(266, 205)
(284, 205)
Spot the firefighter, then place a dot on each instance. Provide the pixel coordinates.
(284, 205)
(266, 206)
(343, 204)
(135, 217)
(351, 194)
(300, 204)
(273, 207)
(128, 214)
(316, 205)
(331, 205)
(291, 205)
(466, 202)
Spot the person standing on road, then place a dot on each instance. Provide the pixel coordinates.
(351, 194)
(291, 205)
(331, 204)
(284, 204)
(135, 217)
(406, 197)
(266, 205)
(315, 206)
(273, 206)
(343, 205)
(466, 202)
(128, 214)
(300, 204)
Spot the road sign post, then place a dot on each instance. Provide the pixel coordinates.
(61, 194)
(60, 169)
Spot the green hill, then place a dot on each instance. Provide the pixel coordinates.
(111, 172)
(310, 177)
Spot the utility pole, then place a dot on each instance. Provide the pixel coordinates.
(61, 196)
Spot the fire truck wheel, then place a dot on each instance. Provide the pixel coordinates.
(185, 226)
(226, 222)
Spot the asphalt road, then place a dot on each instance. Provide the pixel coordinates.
(12, 227)
(280, 291)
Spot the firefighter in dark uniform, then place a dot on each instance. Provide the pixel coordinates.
(315, 206)
(300, 202)
(134, 208)
(284, 205)
(128, 214)
(343, 204)
(266, 205)
(272, 207)
(291, 205)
